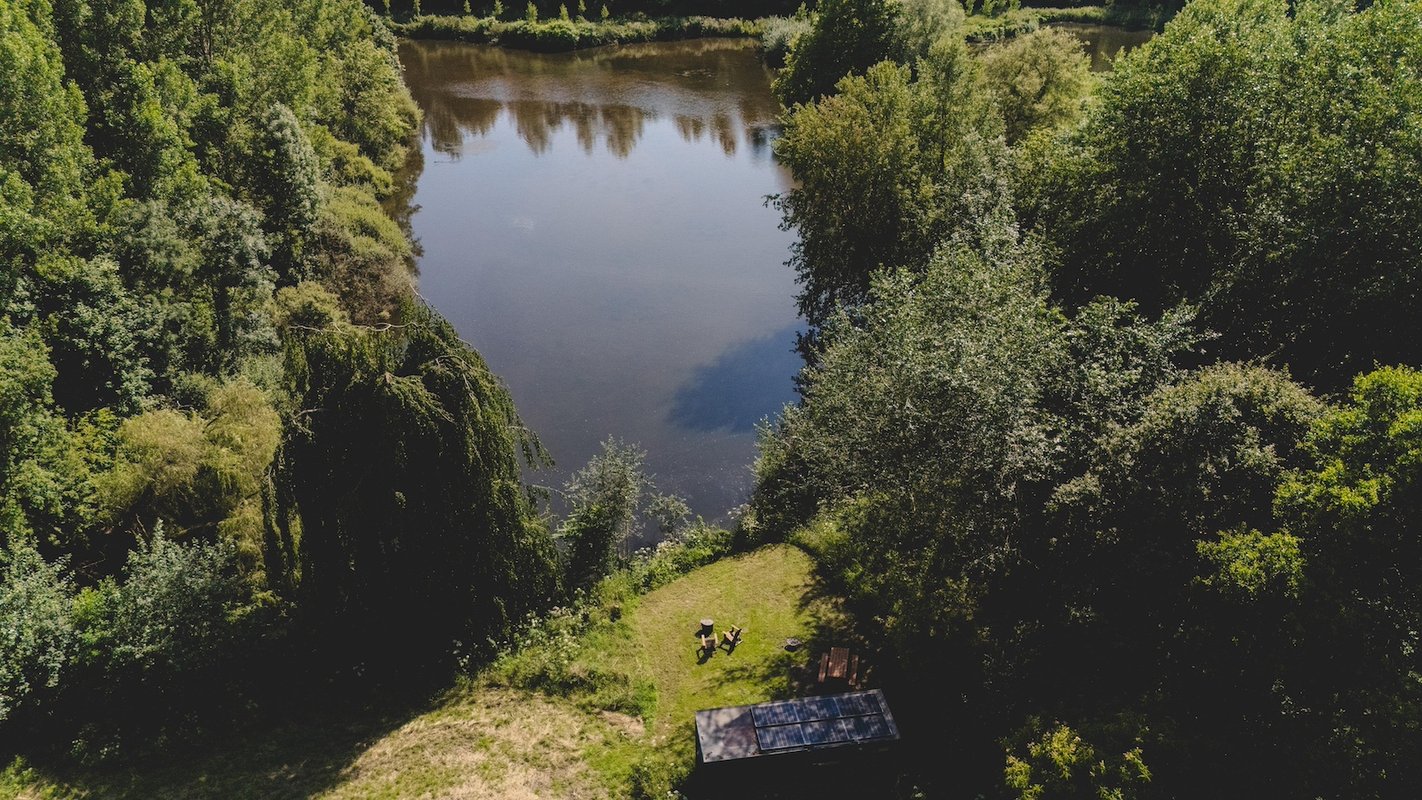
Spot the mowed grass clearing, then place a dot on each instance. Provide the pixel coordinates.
(768, 592)
(488, 741)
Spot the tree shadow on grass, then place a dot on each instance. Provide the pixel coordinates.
(795, 674)
(849, 773)
(298, 753)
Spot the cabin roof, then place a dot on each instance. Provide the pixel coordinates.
(791, 726)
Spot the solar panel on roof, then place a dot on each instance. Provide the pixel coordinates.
(780, 737)
(855, 704)
(825, 731)
(858, 718)
(871, 726)
(820, 708)
(781, 713)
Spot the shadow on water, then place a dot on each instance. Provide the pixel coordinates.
(747, 383)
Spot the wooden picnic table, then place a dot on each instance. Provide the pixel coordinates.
(838, 665)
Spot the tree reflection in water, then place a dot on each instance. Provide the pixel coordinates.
(605, 95)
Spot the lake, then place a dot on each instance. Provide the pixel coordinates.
(594, 224)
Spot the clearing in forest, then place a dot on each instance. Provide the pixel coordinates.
(498, 742)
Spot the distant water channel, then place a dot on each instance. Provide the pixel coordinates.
(594, 224)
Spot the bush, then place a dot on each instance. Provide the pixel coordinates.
(559, 35)
(779, 36)
(37, 637)
(173, 611)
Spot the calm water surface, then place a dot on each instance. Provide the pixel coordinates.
(594, 224)
(1104, 42)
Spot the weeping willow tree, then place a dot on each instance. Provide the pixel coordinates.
(405, 464)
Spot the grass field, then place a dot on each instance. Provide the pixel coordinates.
(498, 741)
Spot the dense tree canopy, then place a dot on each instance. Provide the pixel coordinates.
(1069, 444)
(1258, 158)
(203, 443)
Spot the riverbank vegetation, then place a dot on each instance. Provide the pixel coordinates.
(240, 461)
(563, 33)
(563, 27)
(1093, 426)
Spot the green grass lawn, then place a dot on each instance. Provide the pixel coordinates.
(770, 594)
(491, 741)
(767, 592)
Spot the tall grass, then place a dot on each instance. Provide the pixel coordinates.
(559, 35)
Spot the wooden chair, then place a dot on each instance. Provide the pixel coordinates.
(732, 637)
(708, 644)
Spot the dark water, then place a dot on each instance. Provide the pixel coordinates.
(1104, 42)
(594, 224)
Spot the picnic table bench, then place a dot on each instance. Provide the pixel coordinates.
(839, 665)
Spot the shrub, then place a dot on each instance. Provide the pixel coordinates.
(779, 36)
(37, 638)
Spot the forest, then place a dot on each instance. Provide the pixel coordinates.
(1109, 422)
(1109, 428)
(232, 434)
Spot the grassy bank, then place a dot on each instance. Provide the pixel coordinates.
(982, 28)
(561, 35)
(587, 706)
(558, 35)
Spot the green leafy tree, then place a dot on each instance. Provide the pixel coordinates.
(1255, 157)
(98, 333)
(847, 37)
(1061, 765)
(606, 496)
(1353, 509)
(415, 524)
(37, 634)
(285, 184)
(1040, 80)
(886, 170)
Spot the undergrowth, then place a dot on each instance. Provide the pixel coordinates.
(558, 35)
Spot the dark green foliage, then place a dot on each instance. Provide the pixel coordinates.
(1261, 163)
(1140, 575)
(37, 636)
(286, 186)
(888, 168)
(606, 496)
(1353, 508)
(557, 35)
(165, 167)
(171, 613)
(846, 37)
(415, 526)
(613, 502)
(97, 331)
